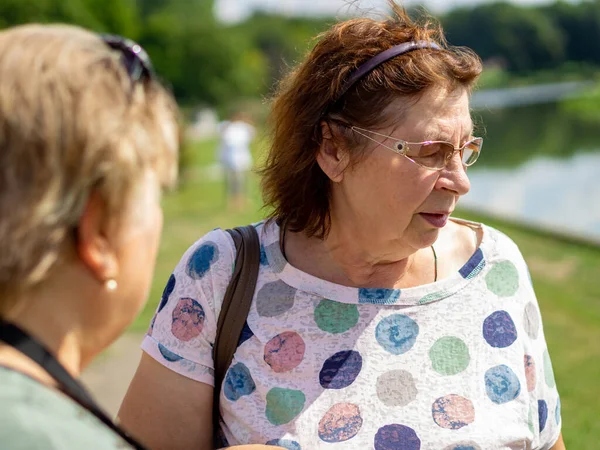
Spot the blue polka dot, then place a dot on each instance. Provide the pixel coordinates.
(340, 370)
(263, 257)
(167, 292)
(557, 411)
(499, 329)
(168, 355)
(378, 296)
(501, 384)
(285, 443)
(397, 333)
(238, 382)
(542, 414)
(245, 334)
(201, 260)
(473, 266)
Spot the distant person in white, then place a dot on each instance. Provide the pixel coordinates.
(234, 155)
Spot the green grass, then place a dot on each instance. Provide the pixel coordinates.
(565, 274)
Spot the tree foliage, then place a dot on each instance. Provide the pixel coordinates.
(211, 63)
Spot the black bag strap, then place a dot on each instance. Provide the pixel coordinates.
(36, 351)
(236, 305)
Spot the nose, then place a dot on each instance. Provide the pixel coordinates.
(454, 177)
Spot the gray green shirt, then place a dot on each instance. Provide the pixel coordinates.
(34, 416)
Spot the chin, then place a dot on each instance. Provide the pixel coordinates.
(427, 238)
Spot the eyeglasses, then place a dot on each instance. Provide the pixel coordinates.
(433, 155)
(134, 57)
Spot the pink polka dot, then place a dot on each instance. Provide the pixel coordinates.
(285, 351)
(530, 372)
(341, 423)
(453, 412)
(188, 319)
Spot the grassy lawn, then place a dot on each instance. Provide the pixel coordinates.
(565, 274)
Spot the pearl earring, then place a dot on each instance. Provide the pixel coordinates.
(111, 284)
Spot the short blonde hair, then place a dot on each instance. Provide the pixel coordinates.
(72, 121)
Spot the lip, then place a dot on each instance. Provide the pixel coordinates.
(437, 219)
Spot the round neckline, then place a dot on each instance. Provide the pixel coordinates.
(417, 295)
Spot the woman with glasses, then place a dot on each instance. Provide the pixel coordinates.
(378, 320)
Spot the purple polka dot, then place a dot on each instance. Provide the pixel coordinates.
(340, 370)
(397, 437)
(453, 412)
(542, 414)
(341, 423)
(285, 351)
(499, 329)
(188, 319)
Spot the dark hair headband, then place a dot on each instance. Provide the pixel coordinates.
(380, 58)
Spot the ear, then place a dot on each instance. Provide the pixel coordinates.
(332, 158)
(94, 247)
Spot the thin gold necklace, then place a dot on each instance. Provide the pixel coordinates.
(435, 268)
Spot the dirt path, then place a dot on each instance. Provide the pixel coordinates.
(109, 375)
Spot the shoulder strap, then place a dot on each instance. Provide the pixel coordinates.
(236, 305)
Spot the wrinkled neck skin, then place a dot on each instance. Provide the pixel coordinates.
(352, 255)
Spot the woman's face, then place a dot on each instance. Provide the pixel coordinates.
(393, 198)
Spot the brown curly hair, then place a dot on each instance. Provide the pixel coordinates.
(294, 187)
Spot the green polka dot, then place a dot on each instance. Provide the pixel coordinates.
(530, 420)
(503, 279)
(548, 372)
(335, 317)
(283, 405)
(449, 355)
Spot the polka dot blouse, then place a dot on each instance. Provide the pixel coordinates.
(459, 364)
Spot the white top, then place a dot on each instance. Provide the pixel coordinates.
(459, 364)
(234, 152)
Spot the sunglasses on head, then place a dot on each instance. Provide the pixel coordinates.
(133, 56)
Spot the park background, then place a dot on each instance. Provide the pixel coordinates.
(537, 105)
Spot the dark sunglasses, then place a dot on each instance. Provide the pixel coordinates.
(134, 57)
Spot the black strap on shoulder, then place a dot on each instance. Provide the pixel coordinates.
(236, 305)
(37, 352)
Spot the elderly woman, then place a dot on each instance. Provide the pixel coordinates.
(88, 140)
(378, 320)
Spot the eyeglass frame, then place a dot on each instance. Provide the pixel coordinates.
(406, 145)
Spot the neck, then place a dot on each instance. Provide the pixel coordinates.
(349, 257)
(56, 332)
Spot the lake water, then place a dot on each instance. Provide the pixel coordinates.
(539, 165)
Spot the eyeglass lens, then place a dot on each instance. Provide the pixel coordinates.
(436, 155)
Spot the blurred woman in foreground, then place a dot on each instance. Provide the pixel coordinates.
(88, 139)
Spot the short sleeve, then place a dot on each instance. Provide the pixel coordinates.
(182, 332)
(544, 417)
